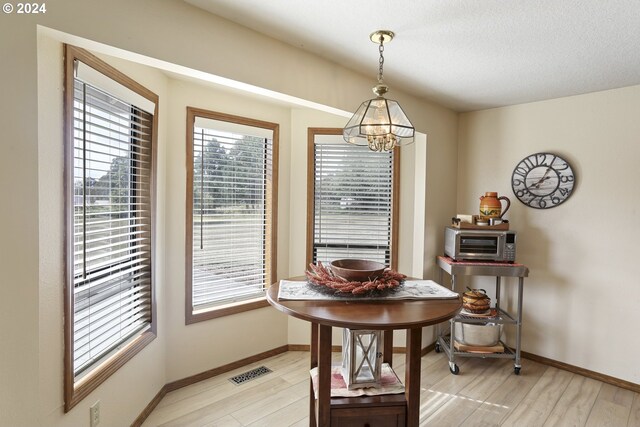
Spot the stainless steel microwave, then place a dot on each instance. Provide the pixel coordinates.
(480, 245)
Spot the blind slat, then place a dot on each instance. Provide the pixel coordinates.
(111, 224)
(231, 173)
(352, 203)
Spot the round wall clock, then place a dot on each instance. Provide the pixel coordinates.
(542, 180)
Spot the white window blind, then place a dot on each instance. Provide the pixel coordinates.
(111, 224)
(232, 168)
(352, 201)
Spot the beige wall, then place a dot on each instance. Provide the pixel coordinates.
(31, 288)
(19, 296)
(148, 368)
(198, 347)
(301, 120)
(580, 301)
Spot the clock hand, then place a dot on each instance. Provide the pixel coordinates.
(537, 184)
(544, 177)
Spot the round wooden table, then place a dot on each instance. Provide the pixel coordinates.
(385, 315)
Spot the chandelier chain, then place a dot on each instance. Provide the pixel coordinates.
(381, 60)
(379, 123)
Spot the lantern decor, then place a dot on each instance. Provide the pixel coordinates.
(361, 358)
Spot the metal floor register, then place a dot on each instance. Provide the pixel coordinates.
(250, 375)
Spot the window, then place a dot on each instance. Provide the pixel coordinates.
(351, 201)
(231, 210)
(109, 183)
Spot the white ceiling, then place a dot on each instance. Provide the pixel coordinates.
(464, 54)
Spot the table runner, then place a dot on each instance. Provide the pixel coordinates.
(409, 290)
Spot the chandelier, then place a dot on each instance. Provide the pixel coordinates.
(379, 123)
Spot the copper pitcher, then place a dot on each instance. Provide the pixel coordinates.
(491, 207)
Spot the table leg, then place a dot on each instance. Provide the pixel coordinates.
(412, 376)
(324, 377)
(387, 349)
(313, 350)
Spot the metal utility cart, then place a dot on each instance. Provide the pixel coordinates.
(482, 268)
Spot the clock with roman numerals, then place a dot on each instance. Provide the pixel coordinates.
(543, 180)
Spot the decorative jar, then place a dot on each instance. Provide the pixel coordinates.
(491, 207)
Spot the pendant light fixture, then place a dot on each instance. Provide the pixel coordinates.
(379, 123)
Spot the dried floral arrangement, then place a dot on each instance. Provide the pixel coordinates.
(322, 276)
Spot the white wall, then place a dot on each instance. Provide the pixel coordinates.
(30, 292)
(580, 300)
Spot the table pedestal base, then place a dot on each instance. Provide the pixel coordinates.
(387, 316)
(395, 410)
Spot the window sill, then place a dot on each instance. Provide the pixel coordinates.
(225, 310)
(74, 393)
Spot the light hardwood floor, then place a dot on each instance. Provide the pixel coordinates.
(485, 393)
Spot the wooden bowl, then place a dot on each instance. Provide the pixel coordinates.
(357, 270)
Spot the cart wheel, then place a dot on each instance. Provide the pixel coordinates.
(455, 370)
(437, 348)
(516, 370)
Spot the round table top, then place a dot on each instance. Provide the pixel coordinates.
(366, 314)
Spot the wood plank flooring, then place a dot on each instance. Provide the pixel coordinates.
(485, 393)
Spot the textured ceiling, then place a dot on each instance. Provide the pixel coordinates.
(463, 54)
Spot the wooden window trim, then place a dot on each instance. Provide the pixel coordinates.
(75, 392)
(395, 194)
(272, 209)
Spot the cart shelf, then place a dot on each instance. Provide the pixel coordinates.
(502, 317)
(471, 268)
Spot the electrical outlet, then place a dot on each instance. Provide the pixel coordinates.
(94, 414)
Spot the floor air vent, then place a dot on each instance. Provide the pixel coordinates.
(250, 375)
